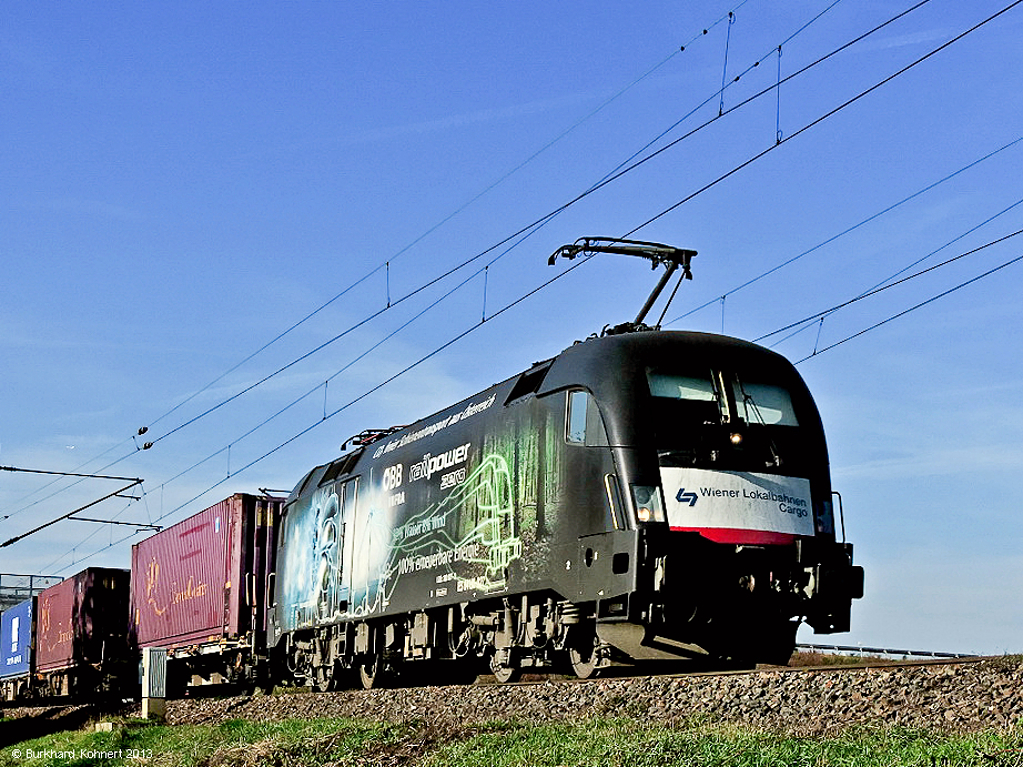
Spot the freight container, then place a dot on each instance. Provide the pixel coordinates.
(17, 650)
(81, 632)
(199, 589)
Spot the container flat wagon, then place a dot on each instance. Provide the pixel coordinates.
(199, 590)
(81, 634)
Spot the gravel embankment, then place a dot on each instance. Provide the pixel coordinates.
(961, 697)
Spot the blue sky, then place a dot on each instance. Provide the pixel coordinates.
(182, 183)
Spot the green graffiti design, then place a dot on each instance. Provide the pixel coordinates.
(486, 516)
(485, 536)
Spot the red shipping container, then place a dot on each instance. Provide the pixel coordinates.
(82, 620)
(203, 581)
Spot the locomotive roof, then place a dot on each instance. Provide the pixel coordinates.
(591, 359)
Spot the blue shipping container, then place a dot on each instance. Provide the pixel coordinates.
(16, 640)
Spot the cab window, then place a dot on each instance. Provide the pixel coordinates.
(764, 404)
(583, 424)
(689, 399)
(690, 388)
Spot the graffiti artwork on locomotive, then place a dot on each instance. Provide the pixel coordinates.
(643, 494)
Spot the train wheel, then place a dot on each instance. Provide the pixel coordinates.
(371, 673)
(583, 650)
(504, 672)
(323, 679)
(584, 659)
(507, 674)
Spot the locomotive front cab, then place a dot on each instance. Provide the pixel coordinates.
(721, 462)
(735, 464)
(750, 549)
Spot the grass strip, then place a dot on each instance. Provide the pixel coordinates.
(628, 743)
(624, 742)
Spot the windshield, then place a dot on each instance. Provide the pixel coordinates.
(764, 404)
(722, 420)
(754, 403)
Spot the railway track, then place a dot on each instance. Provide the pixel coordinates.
(954, 694)
(679, 669)
(961, 694)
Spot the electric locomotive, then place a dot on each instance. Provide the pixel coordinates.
(644, 494)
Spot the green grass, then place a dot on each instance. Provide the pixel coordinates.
(627, 743)
(592, 743)
(235, 742)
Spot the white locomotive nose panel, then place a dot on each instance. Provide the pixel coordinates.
(737, 506)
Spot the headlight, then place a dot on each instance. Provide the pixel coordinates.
(649, 506)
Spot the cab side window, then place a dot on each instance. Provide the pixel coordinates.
(583, 424)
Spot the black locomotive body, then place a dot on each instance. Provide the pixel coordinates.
(640, 495)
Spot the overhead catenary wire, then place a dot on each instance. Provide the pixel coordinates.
(887, 282)
(111, 543)
(450, 342)
(19, 470)
(630, 163)
(913, 308)
(849, 230)
(337, 373)
(888, 286)
(827, 115)
(373, 347)
(68, 515)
